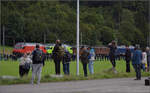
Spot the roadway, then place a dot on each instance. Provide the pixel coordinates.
(120, 85)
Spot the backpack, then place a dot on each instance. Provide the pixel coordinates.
(67, 57)
(38, 55)
(60, 52)
(84, 57)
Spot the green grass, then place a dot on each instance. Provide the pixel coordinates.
(100, 67)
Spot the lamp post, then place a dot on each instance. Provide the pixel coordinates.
(77, 37)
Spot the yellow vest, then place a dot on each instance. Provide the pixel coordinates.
(49, 51)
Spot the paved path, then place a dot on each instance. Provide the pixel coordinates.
(123, 85)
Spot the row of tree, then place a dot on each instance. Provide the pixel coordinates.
(100, 22)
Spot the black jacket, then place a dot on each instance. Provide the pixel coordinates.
(42, 59)
(112, 52)
(66, 57)
(128, 55)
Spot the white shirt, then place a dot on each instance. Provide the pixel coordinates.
(144, 58)
(24, 60)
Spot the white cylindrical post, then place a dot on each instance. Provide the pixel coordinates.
(77, 37)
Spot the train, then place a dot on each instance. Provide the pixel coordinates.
(21, 48)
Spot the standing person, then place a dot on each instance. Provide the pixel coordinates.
(84, 59)
(24, 66)
(148, 58)
(127, 58)
(38, 58)
(112, 54)
(66, 61)
(136, 62)
(91, 60)
(57, 55)
(144, 60)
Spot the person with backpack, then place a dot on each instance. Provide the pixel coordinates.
(38, 59)
(66, 61)
(84, 59)
(24, 66)
(57, 55)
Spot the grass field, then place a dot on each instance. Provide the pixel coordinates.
(11, 68)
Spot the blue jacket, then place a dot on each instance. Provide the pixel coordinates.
(137, 57)
(92, 52)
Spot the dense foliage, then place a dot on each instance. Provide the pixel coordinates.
(100, 22)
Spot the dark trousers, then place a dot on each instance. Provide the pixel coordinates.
(23, 71)
(85, 69)
(57, 67)
(148, 65)
(66, 68)
(127, 66)
(113, 62)
(138, 70)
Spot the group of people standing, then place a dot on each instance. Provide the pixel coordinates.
(140, 59)
(36, 58)
(87, 57)
(59, 53)
(62, 54)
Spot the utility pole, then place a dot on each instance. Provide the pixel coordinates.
(77, 37)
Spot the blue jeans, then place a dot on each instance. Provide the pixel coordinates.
(91, 67)
(143, 67)
(66, 68)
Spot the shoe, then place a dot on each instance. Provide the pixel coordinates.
(137, 79)
(85, 76)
